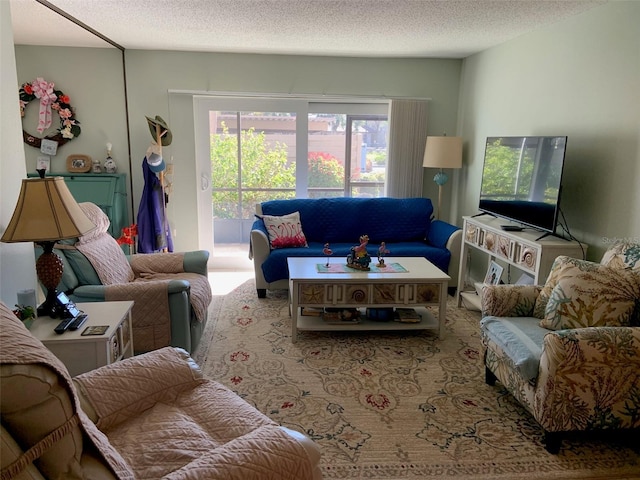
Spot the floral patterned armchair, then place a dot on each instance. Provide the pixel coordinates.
(569, 351)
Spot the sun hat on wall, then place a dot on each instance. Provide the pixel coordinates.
(165, 133)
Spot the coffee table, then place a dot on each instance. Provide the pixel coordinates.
(421, 285)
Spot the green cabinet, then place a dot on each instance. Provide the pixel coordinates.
(107, 190)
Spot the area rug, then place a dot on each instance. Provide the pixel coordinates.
(393, 405)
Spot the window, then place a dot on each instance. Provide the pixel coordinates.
(263, 149)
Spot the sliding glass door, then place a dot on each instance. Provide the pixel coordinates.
(253, 159)
(265, 149)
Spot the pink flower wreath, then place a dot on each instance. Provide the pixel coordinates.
(50, 99)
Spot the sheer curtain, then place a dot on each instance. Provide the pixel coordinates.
(407, 138)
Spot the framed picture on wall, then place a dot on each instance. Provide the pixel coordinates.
(493, 274)
(44, 163)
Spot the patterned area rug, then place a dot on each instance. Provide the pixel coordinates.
(393, 405)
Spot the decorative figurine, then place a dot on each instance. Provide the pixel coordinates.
(95, 166)
(359, 257)
(327, 251)
(110, 164)
(382, 251)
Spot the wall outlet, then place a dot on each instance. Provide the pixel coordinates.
(169, 168)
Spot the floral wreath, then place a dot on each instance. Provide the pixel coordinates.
(50, 99)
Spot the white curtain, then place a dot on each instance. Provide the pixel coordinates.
(407, 139)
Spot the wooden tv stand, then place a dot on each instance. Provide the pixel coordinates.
(526, 250)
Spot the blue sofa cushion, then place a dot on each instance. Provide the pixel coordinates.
(344, 219)
(520, 338)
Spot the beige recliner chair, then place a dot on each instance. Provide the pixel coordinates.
(153, 416)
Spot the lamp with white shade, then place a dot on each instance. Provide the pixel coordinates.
(442, 152)
(46, 212)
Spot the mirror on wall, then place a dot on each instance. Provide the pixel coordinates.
(34, 23)
(42, 23)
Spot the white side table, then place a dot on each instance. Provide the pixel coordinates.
(83, 353)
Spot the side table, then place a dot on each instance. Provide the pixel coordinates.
(83, 353)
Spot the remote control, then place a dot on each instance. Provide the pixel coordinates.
(63, 325)
(511, 228)
(78, 321)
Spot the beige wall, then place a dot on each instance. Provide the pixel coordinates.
(151, 75)
(580, 78)
(93, 78)
(17, 263)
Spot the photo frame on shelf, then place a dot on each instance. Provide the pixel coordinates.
(493, 274)
(77, 163)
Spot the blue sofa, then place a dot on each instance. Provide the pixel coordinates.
(405, 224)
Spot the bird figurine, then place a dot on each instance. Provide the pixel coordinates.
(327, 251)
(382, 251)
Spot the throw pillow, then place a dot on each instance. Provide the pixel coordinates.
(588, 294)
(623, 255)
(552, 280)
(509, 300)
(285, 231)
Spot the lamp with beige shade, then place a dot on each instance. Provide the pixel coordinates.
(46, 212)
(442, 152)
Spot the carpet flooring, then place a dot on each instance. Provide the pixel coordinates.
(393, 405)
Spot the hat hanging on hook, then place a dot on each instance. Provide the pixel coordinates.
(156, 163)
(165, 133)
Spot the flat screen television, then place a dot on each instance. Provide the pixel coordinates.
(522, 178)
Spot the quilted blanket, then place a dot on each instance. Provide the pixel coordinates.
(19, 347)
(145, 282)
(150, 313)
(152, 323)
(170, 423)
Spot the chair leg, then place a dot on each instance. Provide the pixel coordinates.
(489, 377)
(552, 441)
(262, 293)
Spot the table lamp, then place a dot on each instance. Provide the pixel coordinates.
(442, 152)
(46, 212)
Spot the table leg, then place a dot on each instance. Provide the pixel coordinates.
(293, 305)
(442, 313)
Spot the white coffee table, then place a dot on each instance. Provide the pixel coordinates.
(423, 284)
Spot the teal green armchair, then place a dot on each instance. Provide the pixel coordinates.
(179, 276)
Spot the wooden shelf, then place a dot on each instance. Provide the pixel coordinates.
(525, 250)
(428, 322)
(471, 300)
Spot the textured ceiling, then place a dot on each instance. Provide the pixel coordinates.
(369, 28)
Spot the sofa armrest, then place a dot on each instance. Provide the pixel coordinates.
(96, 293)
(268, 451)
(259, 251)
(454, 244)
(509, 300)
(589, 378)
(194, 262)
(259, 241)
(440, 232)
(179, 307)
(444, 235)
(111, 394)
